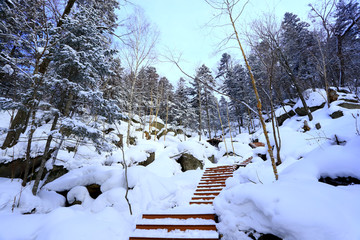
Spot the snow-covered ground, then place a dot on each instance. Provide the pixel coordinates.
(296, 207)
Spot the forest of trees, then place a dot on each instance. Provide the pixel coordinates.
(59, 63)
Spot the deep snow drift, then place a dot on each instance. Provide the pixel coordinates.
(297, 206)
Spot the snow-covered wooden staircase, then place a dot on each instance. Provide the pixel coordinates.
(211, 183)
(197, 221)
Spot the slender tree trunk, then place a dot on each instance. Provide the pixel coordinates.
(257, 96)
(199, 99)
(341, 61)
(151, 109)
(228, 119)
(121, 145)
(303, 101)
(130, 110)
(28, 149)
(167, 116)
(207, 112)
(158, 103)
(44, 157)
(239, 124)
(126, 180)
(294, 81)
(222, 129)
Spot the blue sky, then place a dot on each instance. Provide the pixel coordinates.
(183, 30)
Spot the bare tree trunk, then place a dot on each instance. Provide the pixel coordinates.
(44, 157)
(228, 119)
(207, 111)
(121, 145)
(239, 124)
(158, 103)
(222, 129)
(199, 99)
(126, 180)
(28, 149)
(229, 11)
(167, 116)
(341, 61)
(130, 109)
(294, 81)
(151, 109)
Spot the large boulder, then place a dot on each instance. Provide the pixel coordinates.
(56, 172)
(157, 125)
(336, 114)
(189, 162)
(333, 96)
(150, 159)
(214, 141)
(348, 105)
(281, 119)
(302, 112)
(165, 132)
(16, 168)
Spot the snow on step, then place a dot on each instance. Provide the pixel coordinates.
(163, 234)
(211, 186)
(189, 222)
(202, 198)
(215, 177)
(211, 182)
(174, 227)
(173, 221)
(209, 216)
(186, 209)
(201, 202)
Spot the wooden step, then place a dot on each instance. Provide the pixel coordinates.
(206, 193)
(211, 182)
(210, 185)
(227, 166)
(202, 202)
(213, 179)
(208, 190)
(216, 177)
(184, 238)
(179, 216)
(218, 172)
(176, 227)
(203, 198)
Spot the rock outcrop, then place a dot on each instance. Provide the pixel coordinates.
(189, 162)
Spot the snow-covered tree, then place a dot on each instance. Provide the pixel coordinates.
(201, 92)
(298, 45)
(346, 31)
(185, 113)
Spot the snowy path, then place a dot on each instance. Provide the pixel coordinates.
(196, 221)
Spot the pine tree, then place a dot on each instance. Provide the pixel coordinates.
(236, 84)
(346, 31)
(185, 113)
(208, 82)
(298, 45)
(80, 61)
